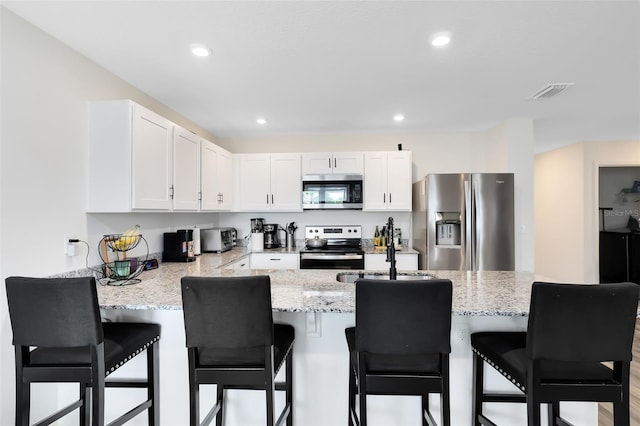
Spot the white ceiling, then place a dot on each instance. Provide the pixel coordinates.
(349, 66)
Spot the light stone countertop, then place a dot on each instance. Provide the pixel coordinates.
(486, 293)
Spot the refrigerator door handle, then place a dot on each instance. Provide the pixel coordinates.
(469, 238)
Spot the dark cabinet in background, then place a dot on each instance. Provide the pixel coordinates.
(619, 256)
(634, 258)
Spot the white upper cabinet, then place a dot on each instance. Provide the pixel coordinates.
(268, 182)
(130, 158)
(186, 170)
(215, 177)
(387, 181)
(320, 163)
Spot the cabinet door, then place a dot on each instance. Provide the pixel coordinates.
(348, 163)
(378, 262)
(375, 181)
(225, 179)
(208, 176)
(274, 261)
(317, 163)
(634, 258)
(186, 170)
(152, 168)
(286, 185)
(253, 188)
(399, 181)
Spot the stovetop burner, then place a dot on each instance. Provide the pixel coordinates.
(342, 251)
(340, 239)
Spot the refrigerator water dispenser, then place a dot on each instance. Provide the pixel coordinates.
(448, 233)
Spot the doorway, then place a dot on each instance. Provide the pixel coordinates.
(619, 237)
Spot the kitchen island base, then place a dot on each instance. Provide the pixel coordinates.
(321, 379)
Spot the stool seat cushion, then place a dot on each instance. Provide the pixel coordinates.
(382, 363)
(122, 341)
(508, 350)
(283, 337)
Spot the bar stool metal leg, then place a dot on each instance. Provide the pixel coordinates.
(220, 398)
(362, 386)
(445, 402)
(478, 378)
(289, 387)
(23, 396)
(153, 378)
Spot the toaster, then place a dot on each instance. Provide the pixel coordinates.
(216, 240)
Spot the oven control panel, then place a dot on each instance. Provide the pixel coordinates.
(333, 232)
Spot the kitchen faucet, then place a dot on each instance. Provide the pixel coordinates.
(391, 250)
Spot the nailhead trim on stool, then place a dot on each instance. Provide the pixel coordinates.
(514, 381)
(126, 359)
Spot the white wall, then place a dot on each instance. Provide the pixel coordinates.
(566, 206)
(45, 87)
(559, 214)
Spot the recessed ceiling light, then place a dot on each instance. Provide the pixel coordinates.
(440, 39)
(200, 50)
(398, 117)
(261, 120)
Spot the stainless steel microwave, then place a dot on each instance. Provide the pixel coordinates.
(332, 192)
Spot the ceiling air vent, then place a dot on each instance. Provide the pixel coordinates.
(550, 90)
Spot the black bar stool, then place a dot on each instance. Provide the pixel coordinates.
(572, 329)
(400, 344)
(58, 337)
(232, 342)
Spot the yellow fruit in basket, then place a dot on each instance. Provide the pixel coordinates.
(128, 238)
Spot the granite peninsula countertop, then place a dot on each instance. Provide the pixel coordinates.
(485, 293)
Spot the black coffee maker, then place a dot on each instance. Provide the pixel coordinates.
(178, 246)
(271, 239)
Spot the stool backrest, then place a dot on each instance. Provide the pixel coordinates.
(403, 317)
(227, 312)
(54, 312)
(573, 322)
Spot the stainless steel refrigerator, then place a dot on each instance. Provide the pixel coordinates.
(464, 222)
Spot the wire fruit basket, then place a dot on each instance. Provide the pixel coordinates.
(121, 269)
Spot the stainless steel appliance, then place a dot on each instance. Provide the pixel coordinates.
(216, 240)
(332, 192)
(271, 239)
(257, 224)
(178, 246)
(342, 248)
(464, 222)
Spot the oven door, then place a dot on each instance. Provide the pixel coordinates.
(331, 260)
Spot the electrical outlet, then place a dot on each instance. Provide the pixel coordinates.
(69, 248)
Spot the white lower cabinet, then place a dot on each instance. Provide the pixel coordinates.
(275, 261)
(404, 262)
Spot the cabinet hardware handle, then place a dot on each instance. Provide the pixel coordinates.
(271, 198)
(274, 258)
(171, 191)
(200, 196)
(389, 198)
(335, 163)
(329, 162)
(384, 197)
(267, 198)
